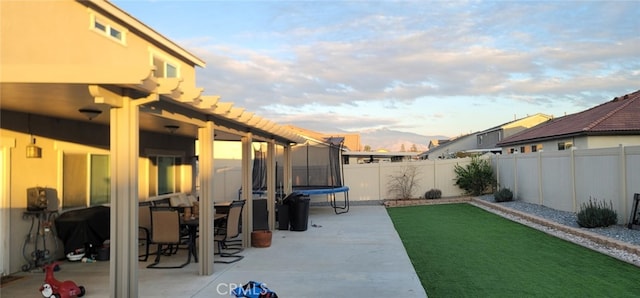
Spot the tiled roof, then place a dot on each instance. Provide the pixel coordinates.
(618, 116)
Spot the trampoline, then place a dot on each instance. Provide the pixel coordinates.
(331, 192)
(316, 170)
(338, 207)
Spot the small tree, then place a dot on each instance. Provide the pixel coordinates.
(476, 177)
(403, 183)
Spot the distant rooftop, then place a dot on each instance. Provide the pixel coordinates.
(615, 117)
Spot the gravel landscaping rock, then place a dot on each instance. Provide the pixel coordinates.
(628, 251)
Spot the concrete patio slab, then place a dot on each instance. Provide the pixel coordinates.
(357, 254)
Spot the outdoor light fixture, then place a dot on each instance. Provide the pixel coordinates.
(171, 128)
(90, 113)
(33, 151)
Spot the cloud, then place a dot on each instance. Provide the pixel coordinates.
(313, 57)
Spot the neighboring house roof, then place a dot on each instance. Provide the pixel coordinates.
(507, 124)
(615, 117)
(435, 142)
(445, 144)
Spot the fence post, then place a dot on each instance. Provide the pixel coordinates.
(623, 178)
(435, 172)
(573, 179)
(540, 194)
(380, 181)
(515, 176)
(497, 171)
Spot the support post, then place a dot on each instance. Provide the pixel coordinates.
(247, 190)
(206, 166)
(124, 143)
(271, 183)
(287, 170)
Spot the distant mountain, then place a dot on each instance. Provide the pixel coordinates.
(392, 140)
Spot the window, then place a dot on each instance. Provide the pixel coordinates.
(480, 140)
(103, 27)
(164, 69)
(164, 175)
(523, 149)
(564, 146)
(534, 148)
(100, 180)
(115, 33)
(171, 71)
(82, 177)
(99, 26)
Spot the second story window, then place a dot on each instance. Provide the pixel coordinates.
(164, 68)
(107, 29)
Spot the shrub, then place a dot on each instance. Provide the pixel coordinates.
(476, 177)
(402, 184)
(596, 214)
(503, 195)
(433, 194)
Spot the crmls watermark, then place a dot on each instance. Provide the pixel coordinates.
(228, 288)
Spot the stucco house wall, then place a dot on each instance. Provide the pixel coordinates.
(75, 51)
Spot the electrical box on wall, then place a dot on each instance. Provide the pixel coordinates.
(41, 199)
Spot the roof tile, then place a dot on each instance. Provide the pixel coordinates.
(622, 114)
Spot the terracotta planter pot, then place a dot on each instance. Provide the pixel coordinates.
(261, 238)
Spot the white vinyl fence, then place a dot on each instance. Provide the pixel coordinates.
(567, 179)
(371, 181)
(559, 180)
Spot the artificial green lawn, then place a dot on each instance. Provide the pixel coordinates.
(459, 250)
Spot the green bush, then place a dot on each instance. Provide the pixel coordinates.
(503, 195)
(597, 214)
(476, 178)
(433, 194)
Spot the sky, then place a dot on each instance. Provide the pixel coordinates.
(427, 67)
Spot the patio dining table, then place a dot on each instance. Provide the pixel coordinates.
(192, 226)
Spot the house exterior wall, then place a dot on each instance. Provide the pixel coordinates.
(57, 137)
(460, 144)
(491, 137)
(524, 123)
(579, 142)
(488, 140)
(75, 51)
(612, 141)
(352, 141)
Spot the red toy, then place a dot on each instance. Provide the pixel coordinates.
(59, 289)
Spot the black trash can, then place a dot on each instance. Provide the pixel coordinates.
(298, 212)
(283, 216)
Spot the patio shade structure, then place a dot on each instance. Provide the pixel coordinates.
(124, 97)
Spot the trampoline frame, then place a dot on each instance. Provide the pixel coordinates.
(310, 191)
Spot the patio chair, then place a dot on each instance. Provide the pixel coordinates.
(144, 228)
(165, 230)
(228, 246)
